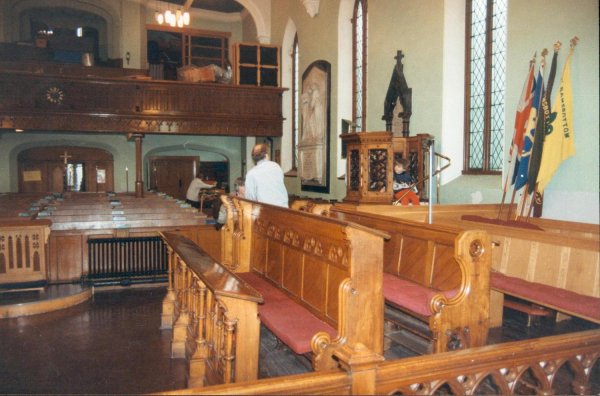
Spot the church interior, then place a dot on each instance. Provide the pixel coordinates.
(443, 229)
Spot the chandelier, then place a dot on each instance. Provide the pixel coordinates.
(176, 18)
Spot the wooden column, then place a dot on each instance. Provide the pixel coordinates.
(139, 184)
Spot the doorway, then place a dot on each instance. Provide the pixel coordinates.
(43, 169)
(172, 175)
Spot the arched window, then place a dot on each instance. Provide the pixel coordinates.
(359, 64)
(295, 101)
(485, 77)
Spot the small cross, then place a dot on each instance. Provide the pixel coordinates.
(398, 58)
(65, 157)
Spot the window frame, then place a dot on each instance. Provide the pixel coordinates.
(487, 119)
(363, 87)
(295, 109)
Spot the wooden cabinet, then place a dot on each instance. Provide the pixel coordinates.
(256, 64)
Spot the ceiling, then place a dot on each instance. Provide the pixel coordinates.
(227, 6)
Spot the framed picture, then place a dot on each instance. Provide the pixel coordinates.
(313, 146)
(100, 176)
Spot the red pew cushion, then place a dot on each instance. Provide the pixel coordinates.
(294, 325)
(559, 298)
(411, 295)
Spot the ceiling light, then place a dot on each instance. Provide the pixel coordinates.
(177, 18)
(18, 130)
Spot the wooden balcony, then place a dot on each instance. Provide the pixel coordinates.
(45, 102)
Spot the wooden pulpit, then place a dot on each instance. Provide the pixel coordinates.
(369, 167)
(370, 164)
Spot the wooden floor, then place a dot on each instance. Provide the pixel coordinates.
(112, 344)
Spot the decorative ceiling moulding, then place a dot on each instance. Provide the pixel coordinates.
(312, 7)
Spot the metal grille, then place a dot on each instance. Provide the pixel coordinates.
(126, 257)
(354, 170)
(378, 160)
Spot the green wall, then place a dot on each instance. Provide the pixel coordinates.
(209, 148)
(418, 28)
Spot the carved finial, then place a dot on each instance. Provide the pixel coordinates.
(574, 41)
(545, 52)
(557, 46)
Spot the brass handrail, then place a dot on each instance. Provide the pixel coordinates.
(437, 172)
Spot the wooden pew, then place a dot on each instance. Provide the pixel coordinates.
(329, 269)
(563, 259)
(125, 217)
(213, 314)
(438, 276)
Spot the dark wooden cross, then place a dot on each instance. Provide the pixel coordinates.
(398, 58)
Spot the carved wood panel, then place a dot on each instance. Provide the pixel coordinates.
(307, 262)
(45, 102)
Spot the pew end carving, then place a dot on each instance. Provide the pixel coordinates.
(435, 275)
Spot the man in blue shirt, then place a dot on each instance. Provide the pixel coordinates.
(264, 182)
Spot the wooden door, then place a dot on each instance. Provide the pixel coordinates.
(172, 175)
(41, 169)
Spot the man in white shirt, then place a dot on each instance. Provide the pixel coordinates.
(264, 182)
(194, 190)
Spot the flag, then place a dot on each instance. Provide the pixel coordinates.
(543, 122)
(523, 109)
(529, 136)
(560, 143)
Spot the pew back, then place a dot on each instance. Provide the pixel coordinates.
(564, 255)
(327, 266)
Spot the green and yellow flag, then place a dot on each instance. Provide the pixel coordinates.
(559, 143)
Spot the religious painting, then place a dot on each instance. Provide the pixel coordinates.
(313, 146)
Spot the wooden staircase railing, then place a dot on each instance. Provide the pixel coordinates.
(213, 315)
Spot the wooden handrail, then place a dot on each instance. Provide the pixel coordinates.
(210, 309)
(464, 371)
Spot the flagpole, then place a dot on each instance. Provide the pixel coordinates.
(559, 146)
(531, 204)
(512, 202)
(517, 140)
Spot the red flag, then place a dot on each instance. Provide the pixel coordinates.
(523, 109)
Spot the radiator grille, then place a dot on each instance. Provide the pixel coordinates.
(126, 257)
